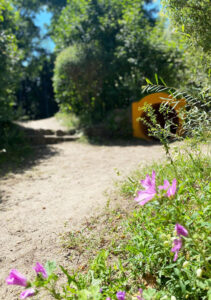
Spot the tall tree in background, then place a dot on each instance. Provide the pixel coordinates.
(35, 92)
(9, 57)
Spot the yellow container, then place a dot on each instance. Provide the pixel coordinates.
(139, 128)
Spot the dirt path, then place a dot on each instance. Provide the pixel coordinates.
(61, 189)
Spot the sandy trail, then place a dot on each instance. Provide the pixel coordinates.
(61, 189)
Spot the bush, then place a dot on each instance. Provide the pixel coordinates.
(76, 79)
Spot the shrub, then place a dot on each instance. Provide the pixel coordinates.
(76, 79)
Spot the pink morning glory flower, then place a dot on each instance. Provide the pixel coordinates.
(181, 230)
(176, 248)
(27, 293)
(40, 269)
(120, 295)
(16, 278)
(150, 190)
(171, 189)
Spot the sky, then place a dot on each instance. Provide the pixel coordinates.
(42, 19)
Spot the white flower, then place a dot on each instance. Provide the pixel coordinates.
(173, 298)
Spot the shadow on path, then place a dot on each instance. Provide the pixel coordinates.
(126, 142)
(30, 158)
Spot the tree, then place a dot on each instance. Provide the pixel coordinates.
(193, 17)
(34, 92)
(9, 57)
(119, 34)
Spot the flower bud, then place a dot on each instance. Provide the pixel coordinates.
(185, 264)
(199, 273)
(173, 298)
(163, 236)
(166, 244)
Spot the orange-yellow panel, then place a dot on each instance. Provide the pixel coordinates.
(138, 129)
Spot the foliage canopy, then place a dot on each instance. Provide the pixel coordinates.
(118, 39)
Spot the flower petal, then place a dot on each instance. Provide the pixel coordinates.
(145, 196)
(27, 293)
(40, 269)
(165, 185)
(172, 189)
(16, 278)
(148, 181)
(181, 230)
(177, 245)
(120, 295)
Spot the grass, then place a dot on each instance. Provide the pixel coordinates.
(68, 120)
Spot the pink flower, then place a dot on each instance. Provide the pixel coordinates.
(15, 278)
(40, 269)
(165, 185)
(120, 295)
(181, 230)
(108, 298)
(27, 293)
(176, 248)
(149, 182)
(140, 297)
(171, 189)
(150, 190)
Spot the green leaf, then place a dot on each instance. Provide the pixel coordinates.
(156, 78)
(50, 266)
(148, 81)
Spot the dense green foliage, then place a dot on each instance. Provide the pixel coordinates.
(9, 56)
(192, 20)
(112, 47)
(192, 17)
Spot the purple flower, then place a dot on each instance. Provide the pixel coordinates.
(149, 182)
(27, 293)
(181, 230)
(150, 190)
(40, 269)
(171, 189)
(140, 297)
(120, 295)
(165, 185)
(108, 298)
(15, 278)
(176, 248)
(145, 196)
